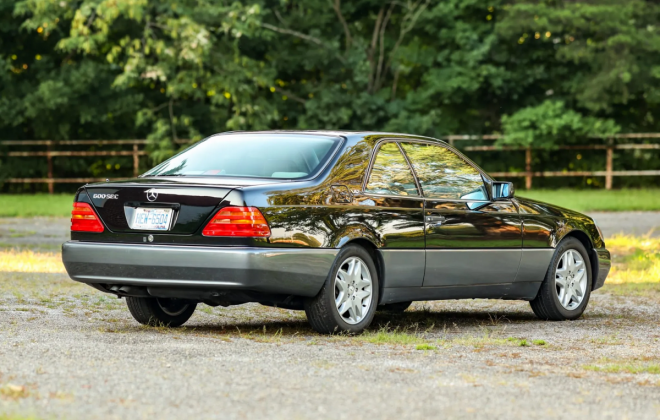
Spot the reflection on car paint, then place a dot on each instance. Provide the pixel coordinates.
(305, 214)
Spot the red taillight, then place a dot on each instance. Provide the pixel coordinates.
(84, 219)
(237, 221)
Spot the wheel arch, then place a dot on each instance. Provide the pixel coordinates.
(589, 246)
(377, 259)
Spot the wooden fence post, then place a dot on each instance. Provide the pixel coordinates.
(49, 157)
(136, 160)
(608, 166)
(528, 168)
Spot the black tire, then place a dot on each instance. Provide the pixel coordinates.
(321, 310)
(395, 308)
(160, 311)
(546, 305)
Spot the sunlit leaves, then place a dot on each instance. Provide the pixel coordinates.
(544, 124)
(182, 69)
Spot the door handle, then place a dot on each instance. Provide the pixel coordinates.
(435, 220)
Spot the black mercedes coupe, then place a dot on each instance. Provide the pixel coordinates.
(339, 224)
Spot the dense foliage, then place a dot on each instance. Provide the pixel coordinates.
(541, 72)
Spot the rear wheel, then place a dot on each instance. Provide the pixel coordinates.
(347, 302)
(566, 289)
(395, 308)
(168, 312)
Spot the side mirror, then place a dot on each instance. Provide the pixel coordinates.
(502, 190)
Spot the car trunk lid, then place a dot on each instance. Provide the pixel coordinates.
(191, 205)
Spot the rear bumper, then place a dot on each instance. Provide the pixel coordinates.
(291, 271)
(604, 264)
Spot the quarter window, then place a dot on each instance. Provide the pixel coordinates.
(443, 174)
(391, 174)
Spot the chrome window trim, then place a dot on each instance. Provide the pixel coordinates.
(452, 149)
(485, 178)
(420, 190)
(484, 175)
(372, 160)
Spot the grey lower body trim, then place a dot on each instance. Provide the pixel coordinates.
(534, 264)
(465, 267)
(509, 291)
(294, 271)
(403, 267)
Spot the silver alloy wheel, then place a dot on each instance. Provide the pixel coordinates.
(172, 307)
(571, 279)
(353, 290)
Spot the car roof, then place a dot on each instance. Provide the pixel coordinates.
(339, 133)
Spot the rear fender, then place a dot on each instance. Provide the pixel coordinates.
(352, 232)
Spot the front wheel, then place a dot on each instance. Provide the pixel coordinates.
(566, 289)
(347, 302)
(168, 312)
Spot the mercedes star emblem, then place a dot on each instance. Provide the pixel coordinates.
(151, 195)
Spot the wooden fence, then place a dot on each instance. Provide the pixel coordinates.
(529, 174)
(49, 154)
(136, 150)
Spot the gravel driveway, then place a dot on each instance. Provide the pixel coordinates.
(68, 351)
(629, 222)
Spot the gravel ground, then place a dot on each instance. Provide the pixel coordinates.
(38, 233)
(68, 351)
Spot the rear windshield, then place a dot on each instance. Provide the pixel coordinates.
(284, 156)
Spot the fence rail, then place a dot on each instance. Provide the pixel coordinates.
(529, 174)
(49, 153)
(137, 150)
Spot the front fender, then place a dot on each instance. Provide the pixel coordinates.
(545, 225)
(582, 229)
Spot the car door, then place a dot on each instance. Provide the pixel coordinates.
(393, 207)
(470, 240)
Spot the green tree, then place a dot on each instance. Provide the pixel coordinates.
(541, 72)
(596, 61)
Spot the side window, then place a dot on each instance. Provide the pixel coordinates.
(391, 174)
(443, 174)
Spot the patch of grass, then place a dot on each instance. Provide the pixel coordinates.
(637, 259)
(612, 340)
(425, 347)
(14, 392)
(395, 336)
(16, 417)
(37, 247)
(539, 342)
(625, 367)
(27, 288)
(24, 205)
(647, 290)
(599, 200)
(59, 395)
(27, 261)
(635, 266)
(487, 339)
(521, 342)
(14, 234)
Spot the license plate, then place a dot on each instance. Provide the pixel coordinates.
(151, 219)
